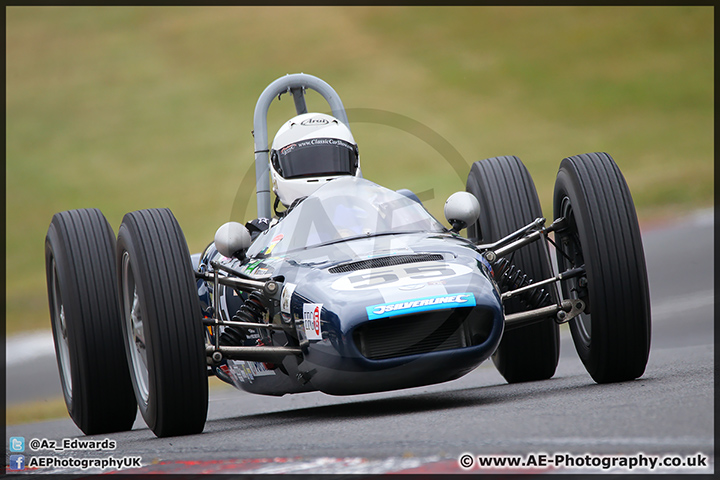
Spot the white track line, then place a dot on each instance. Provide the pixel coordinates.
(24, 347)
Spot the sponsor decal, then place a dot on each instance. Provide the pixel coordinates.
(241, 371)
(273, 244)
(286, 296)
(314, 121)
(311, 321)
(438, 302)
(288, 147)
(259, 369)
(317, 141)
(252, 266)
(233, 372)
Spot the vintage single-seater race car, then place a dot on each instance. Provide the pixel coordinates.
(352, 288)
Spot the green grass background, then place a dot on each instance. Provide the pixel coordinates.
(124, 108)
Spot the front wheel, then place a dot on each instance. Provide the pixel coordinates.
(508, 201)
(161, 322)
(612, 336)
(82, 294)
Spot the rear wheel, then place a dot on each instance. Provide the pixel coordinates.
(82, 293)
(508, 201)
(612, 336)
(161, 321)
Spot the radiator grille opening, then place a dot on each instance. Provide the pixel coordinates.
(422, 333)
(385, 262)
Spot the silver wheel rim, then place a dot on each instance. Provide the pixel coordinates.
(61, 335)
(135, 331)
(573, 249)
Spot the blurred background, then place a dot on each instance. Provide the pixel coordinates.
(124, 108)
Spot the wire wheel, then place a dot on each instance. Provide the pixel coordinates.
(135, 331)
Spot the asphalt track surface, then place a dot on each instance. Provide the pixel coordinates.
(668, 411)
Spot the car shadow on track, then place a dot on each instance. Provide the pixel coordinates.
(417, 403)
(363, 409)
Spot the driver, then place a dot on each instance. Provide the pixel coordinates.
(307, 151)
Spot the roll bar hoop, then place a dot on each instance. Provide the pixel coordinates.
(295, 84)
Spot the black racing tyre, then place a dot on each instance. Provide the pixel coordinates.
(508, 201)
(161, 322)
(82, 294)
(612, 337)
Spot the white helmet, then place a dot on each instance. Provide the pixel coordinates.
(309, 150)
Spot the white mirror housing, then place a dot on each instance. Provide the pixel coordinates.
(232, 238)
(461, 209)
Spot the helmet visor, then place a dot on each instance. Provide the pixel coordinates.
(317, 157)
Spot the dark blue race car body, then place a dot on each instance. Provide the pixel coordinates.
(375, 292)
(353, 289)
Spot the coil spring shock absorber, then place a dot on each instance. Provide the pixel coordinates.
(251, 311)
(509, 277)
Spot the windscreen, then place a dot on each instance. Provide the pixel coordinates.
(344, 209)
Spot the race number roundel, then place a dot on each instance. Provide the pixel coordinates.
(400, 276)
